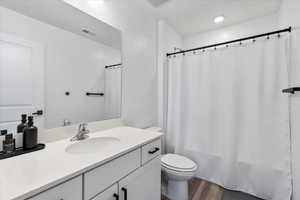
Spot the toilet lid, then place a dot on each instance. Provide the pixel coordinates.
(177, 162)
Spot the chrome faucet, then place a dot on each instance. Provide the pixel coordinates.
(82, 133)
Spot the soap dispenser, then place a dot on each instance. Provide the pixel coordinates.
(20, 128)
(30, 135)
(23, 124)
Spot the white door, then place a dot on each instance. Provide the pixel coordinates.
(143, 184)
(21, 81)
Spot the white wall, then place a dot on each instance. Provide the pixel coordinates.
(72, 63)
(245, 29)
(139, 32)
(289, 16)
(168, 39)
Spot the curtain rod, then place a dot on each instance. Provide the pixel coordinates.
(232, 41)
(109, 66)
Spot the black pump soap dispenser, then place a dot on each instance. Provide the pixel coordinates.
(20, 128)
(23, 124)
(30, 135)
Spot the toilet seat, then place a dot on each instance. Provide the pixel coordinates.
(178, 163)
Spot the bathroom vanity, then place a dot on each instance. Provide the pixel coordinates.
(121, 163)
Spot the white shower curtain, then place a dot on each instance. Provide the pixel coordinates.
(226, 111)
(113, 92)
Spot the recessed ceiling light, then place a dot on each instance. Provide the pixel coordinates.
(219, 19)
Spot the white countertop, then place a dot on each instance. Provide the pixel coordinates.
(26, 175)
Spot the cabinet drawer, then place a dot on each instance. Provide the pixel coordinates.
(70, 190)
(151, 150)
(97, 180)
(109, 194)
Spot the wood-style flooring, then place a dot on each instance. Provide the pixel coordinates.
(203, 190)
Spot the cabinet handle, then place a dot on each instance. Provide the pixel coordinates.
(125, 193)
(116, 196)
(154, 151)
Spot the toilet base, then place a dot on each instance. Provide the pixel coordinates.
(177, 190)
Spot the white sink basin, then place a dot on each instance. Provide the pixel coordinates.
(92, 145)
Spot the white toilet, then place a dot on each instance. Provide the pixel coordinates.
(178, 170)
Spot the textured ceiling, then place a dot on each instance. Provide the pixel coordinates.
(193, 16)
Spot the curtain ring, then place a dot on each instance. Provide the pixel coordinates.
(268, 37)
(215, 48)
(278, 35)
(241, 43)
(203, 50)
(227, 46)
(194, 52)
(253, 40)
(183, 54)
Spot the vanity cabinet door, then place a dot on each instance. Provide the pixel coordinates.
(109, 194)
(70, 190)
(143, 184)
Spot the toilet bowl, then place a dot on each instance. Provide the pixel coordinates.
(178, 170)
